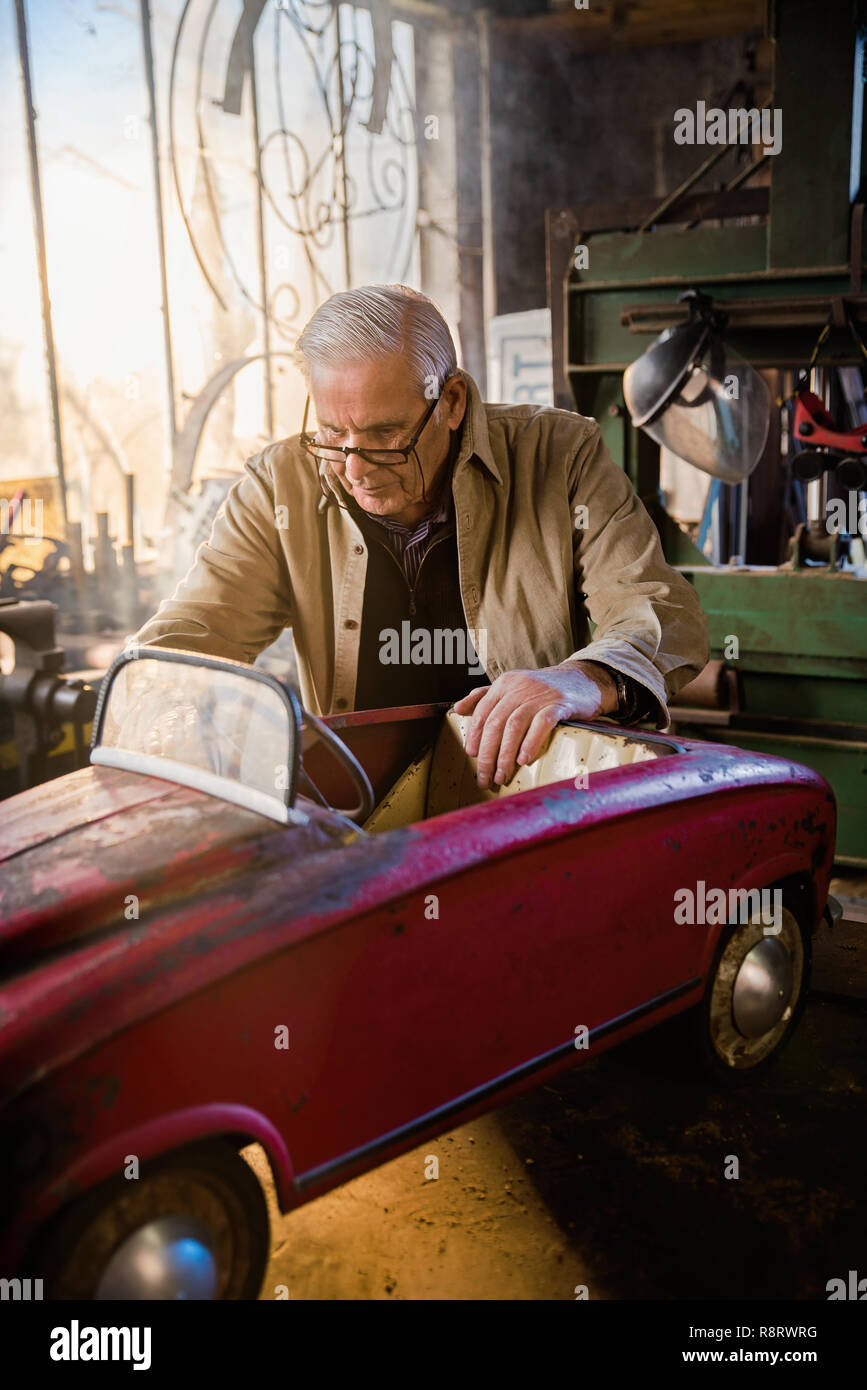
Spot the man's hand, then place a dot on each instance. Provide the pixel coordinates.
(513, 717)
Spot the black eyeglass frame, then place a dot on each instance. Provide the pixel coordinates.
(309, 443)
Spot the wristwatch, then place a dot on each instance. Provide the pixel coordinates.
(628, 697)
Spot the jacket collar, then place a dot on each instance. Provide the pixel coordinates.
(475, 440)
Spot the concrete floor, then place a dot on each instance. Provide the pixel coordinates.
(614, 1178)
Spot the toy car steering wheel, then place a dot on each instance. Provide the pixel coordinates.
(348, 761)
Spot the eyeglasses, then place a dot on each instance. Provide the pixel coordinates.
(335, 453)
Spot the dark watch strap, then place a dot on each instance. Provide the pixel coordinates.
(629, 701)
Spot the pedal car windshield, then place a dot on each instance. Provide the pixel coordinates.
(229, 730)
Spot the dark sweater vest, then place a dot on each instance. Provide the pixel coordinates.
(414, 648)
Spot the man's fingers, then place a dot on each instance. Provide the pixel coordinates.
(481, 714)
(510, 721)
(468, 703)
(489, 746)
(539, 730)
(516, 726)
(512, 714)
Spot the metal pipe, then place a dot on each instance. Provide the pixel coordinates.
(76, 563)
(161, 232)
(39, 232)
(347, 261)
(260, 229)
(489, 278)
(129, 482)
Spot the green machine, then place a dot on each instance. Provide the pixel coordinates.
(783, 260)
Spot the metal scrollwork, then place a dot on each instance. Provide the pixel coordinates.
(342, 164)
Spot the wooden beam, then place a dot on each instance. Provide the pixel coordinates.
(630, 213)
(608, 25)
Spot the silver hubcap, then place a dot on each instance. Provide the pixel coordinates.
(755, 991)
(170, 1258)
(763, 988)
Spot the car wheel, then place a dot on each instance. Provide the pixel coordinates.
(193, 1226)
(754, 997)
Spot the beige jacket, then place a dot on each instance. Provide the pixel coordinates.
(550, 538)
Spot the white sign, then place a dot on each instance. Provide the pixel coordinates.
(520, 369)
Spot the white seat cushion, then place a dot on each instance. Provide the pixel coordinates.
(570, 751)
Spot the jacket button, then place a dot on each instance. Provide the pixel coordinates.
(359, 549)
(350, 623)
(341, 703)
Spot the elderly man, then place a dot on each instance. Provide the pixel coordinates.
(415, 510)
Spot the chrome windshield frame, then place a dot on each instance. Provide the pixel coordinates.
(172, 771)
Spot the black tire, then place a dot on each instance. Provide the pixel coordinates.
(725, 1052)
(209, 1184)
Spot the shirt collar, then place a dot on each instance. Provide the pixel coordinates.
(433, 519)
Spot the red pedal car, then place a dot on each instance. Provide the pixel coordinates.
(200, 951)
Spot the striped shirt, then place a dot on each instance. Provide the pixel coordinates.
(409, 543)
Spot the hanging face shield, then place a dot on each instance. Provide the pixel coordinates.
(698, 397)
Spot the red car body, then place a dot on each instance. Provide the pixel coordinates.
(127, 1034)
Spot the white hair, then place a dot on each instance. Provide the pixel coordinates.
(376, 321)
